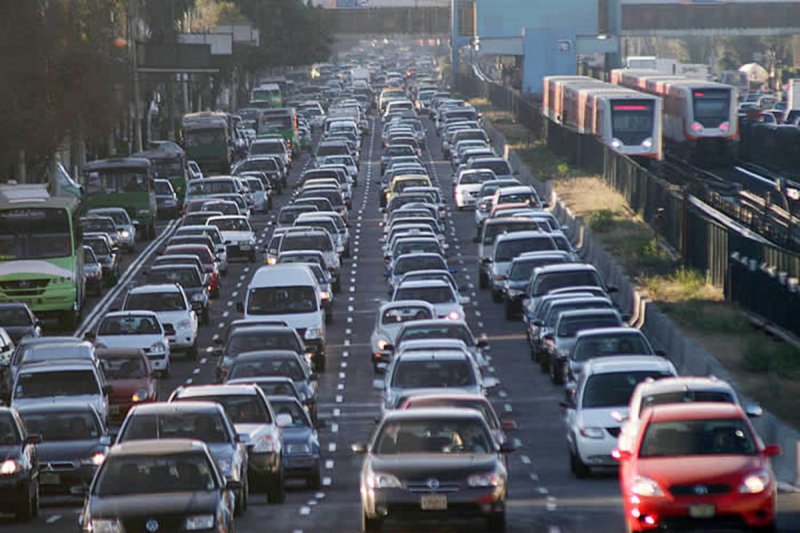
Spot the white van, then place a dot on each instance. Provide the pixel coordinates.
(290, 293)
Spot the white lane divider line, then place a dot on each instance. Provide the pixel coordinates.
(326, 481)
(329, 464)
(53, 519)
(525, 459)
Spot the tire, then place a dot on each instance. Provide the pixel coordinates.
(328, 316)
(192, 351)
(204, 317)
(544, 363)
(30, 508)
(497, 296)
(242, 498)
(275, 490)
(496, 522)
(483, 280)
(314, 481)
(369, 524)
(578, 467)
(336, 286)
(556, 374)
(510, 314)
(320, 363)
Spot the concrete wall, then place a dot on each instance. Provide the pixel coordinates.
(508, 18)
(547, 52)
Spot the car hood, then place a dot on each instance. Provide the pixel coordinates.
(128, 341)
(146, 505)
(699, 469)
(73, 450)
(441, 466)
(300, 435)
(125, 388)
(236, 236)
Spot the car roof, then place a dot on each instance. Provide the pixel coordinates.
(517, 235)
(578, 313)
(432, 412)
(435, 354)
(132, 312)
(155, 288)
(564, 267)
(610, 331)
(435, 322)
(424, 283)
(433, 396)
(33, 341)
(156, 447)
(623, 363)
(174, 407)
(216, 390)
(282, 275)
(695, 411)
(685, 383)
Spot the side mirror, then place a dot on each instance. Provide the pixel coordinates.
(106, 440)
(378, 384)
(89, 336)
(284, 420)
(549, 337)
(483, 341)
(233, 485)
(490, 382)
(753, 410)
(33, 440)
(107, 389)
(217, 341)
(621, 455)
(240, 307)
(537, 322)
(169, 329)
(313, 377)
(772, 450)
(506, 447)
(509, 425)
(358, 448)
(463, 300)
(662, 353)
(242, 437)
(135, 222)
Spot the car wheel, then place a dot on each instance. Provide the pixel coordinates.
(510, 314)
(497, 521)
(192, 351)
(544, 363)
(275, 490)
(337, 286)
(29, 508)
(328, 316)
(252, 257)
(483, 280)
(556, 374)
(319, 363)
(369, 524)
(497, 296)
(243, 498)
(577, 466)
(314, 481)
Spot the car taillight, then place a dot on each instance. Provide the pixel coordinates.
(696, 127)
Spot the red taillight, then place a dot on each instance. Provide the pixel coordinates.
(725, 126)
(696, 126)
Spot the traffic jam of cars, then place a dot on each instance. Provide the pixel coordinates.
(384, 281)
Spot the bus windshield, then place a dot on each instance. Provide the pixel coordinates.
(34, 233)
(115, 180)
(204, 137)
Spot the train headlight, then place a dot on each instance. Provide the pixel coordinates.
(616, 143)
(725, 126)
(697, 127)
(648, 143)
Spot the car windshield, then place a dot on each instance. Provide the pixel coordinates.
(15, 316)
(319, 242)
(414, 262)
(433, 436)
(184, 277)
(558, 280)
(424, 247)
(614, 389)
(300, 257)
(473, 178)
(54, 426)
(509, 249)
(124, 367)
(88, 256)
(130, 474)
(604, 345)
(129, 325)
(98, 225)
(433, 374)
(552, 310)
(686, 396)
(528, 198)
(98, 246)
(273, 366)
(570, 326)
(398, 315)
(56, 383)
(493, 230)
(119, 217)
(522, 270)
(697, 437)
(208, 187)
(293, 409)
(281, 300)
(448, 331)
(156, 301)
(231, 224)
(9, 434)
(434, 295)
(482, 407)
(277, 388)
(206, 426)
(241, 408)
(498, 166)
(246, 341)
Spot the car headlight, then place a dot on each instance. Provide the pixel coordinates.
(225, 466)
(198, 297)
(325, 295)
(592, 433)
(514, 293)
(313, 333)
(124, 234)
(9, 467)
(200, 521)
(95, 460)
(106, 525)
(487, 479)
(453, 315)
(158, 347)
(644, 486)
(382, 344)
(377, 480)
(755, 483)
(264, 445)
(272, 261)
(140, 395)
(298, 449)
(185, 323)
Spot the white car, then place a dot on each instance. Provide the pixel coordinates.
(126, 228)
(388, 321)
(441, 294)
(136, 329)
(238, 234)
(468, 185)
(592, 407)
(173, 308)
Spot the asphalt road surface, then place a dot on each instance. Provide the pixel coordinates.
(543, 495)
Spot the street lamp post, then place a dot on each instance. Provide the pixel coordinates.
(137, 119)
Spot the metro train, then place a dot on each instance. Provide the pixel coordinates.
(628, 121)
(699, 116)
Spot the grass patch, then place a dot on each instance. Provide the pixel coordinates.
(601, 221)
(771, 357)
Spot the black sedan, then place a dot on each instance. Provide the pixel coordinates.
(19, 321)
(74, 444)
(431, 463)
(159, 486)
(19, 469)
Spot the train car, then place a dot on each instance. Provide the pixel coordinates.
(551, 94)
(628, 121)
(699, 117)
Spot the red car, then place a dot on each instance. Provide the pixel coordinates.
(132, 382)
(207, 258)
(697, 465)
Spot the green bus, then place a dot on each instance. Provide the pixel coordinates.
(281, 122)
(125, 182)
(208, 139)
(267, 92)
(41, 254)
(170, 166)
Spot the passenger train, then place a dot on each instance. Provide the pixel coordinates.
(699, 116)
(626, 120)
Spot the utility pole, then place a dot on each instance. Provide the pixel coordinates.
(137, 119)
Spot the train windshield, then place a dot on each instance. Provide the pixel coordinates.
(711, 107)
(632, 121)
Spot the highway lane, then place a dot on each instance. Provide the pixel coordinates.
(543, 496)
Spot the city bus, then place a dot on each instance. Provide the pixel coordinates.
(125, 182)
(268, 92)
(208, 139)
(171, 166)
(41, 253)
(282, 121)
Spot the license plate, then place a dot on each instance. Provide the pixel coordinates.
(50, 479)
(705, 510)
(244, 246)
(433, 502)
